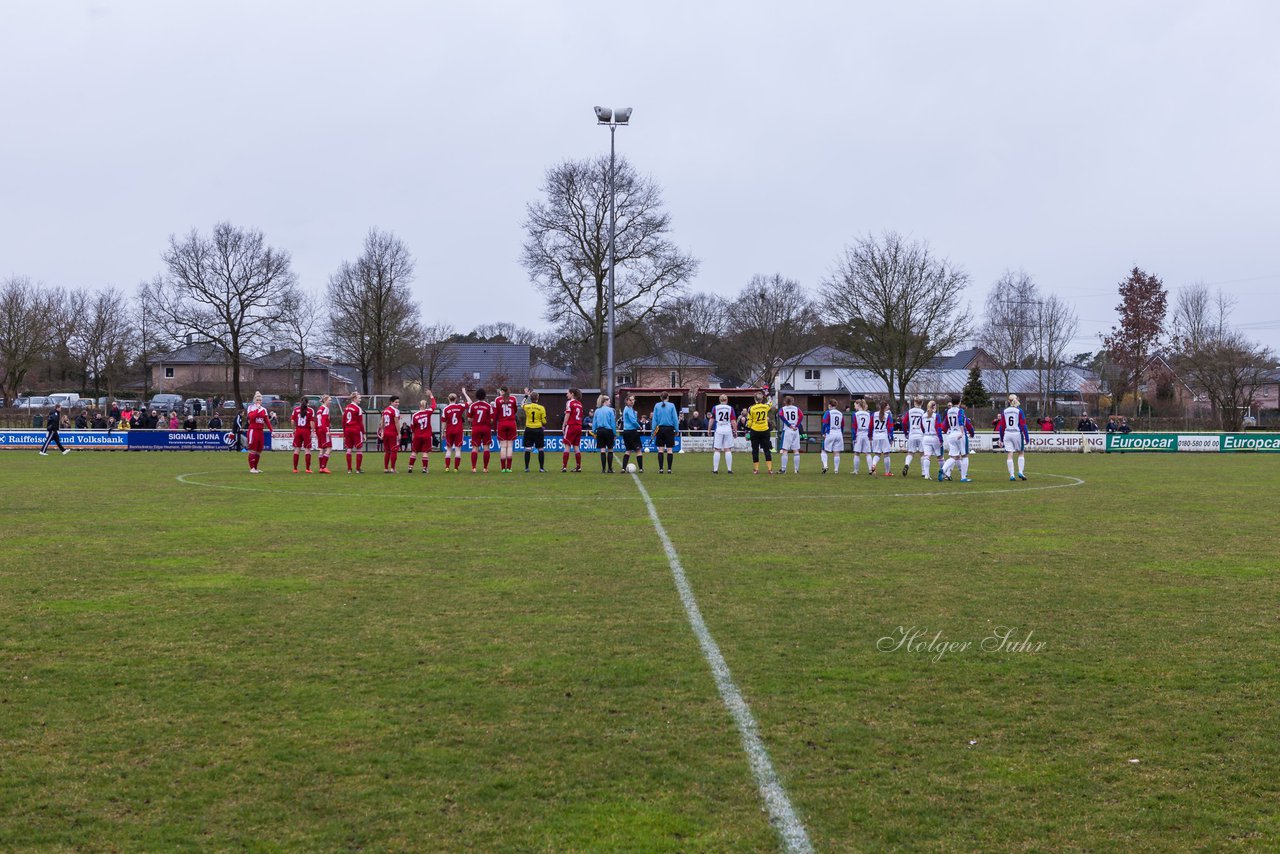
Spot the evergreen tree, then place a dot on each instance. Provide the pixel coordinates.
(975, 394)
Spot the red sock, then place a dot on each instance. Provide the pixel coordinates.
(486, 458)
(348, 462)
(394, 454)
(308, 462)
(565, 463)
(359, 461)
(425, 462)
(577, 459)
(295, 460)
(474, 456)
(447, 462)
(251, 465)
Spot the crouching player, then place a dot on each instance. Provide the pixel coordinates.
(303, 419)
(1013, 435)
(420, 424)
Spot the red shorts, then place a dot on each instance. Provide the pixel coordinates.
(573, 437)
(453, 438)
(323, 442)
(480, 439)
(353, 440)
(422, 444)
(302, 440)
(255, 440)
(507, 431)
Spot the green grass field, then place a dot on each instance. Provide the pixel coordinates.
(502, 662)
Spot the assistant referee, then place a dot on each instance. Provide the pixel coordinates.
(535, 422)
(51, 424)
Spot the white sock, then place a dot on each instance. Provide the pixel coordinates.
(784, 461)
(873, 462)
(1009, 463)
(964, 467)
(837, 462)
(715, 461)
(948, 466)
(910, 457)
(855, 463)
(796, 467)
(924, 466)
(728, 460)
(888, 463)
(823, 454)
(1022, 463)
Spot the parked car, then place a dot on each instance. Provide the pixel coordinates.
(83, 403)
(230, 405)
(189, 406)
(66, 398)
(128, 404)
(33, 403)
(165, 402)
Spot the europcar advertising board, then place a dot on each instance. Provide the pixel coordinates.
(33, 439)
(1265, 442)
(1194, 442)
(1145, 442)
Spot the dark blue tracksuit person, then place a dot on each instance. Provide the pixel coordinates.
(51, 424)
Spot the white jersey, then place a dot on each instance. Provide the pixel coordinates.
(955, 421)
(915, 423)
(862, 422)
(880, 425)
(931, 424)
(722, 415)
(835, 421)
(790, 416)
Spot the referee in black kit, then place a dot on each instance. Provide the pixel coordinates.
(52, 423)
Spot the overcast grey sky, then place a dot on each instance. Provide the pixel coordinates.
(1071, 140)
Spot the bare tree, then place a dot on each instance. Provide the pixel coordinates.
(433, 356)
(1214, 358)
(1006, 333)
(1056, 326)
(301, 321)
(504, 332)
(105, 340)
(148, 328)
(373, 319)
(896, 306)
(228, 289)
(566, 253)
(25, 310)
(771, 323)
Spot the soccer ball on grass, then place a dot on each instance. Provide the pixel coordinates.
(631, 468)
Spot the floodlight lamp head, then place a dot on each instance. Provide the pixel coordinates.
(622, 116)
(604, 114)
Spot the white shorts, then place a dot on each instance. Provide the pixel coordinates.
(932, 446)
(790, 439)
(862, 444)
(880, 445)
(833, 442)
(915, 444)
(723, 440)
(957, 445)
(1013, 442)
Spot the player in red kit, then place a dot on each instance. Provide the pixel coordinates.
(389, 433)
(480, 412)
(573, 430)
(453, 422)
(420, 423)
(258, 422)
(353, 432)
(505, 407)
(303, 419)
(324, 444)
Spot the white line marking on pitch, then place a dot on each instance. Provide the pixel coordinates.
(781, 814)
(955, 492)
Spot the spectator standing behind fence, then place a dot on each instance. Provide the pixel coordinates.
(1124, 425)
(215, 423)
(1087, 424)
(82, 421)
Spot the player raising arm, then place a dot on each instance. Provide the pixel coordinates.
(666, 425)
(1013, 435)
(572, 438)
(454, 425)
(353, 432)
(726, 421)
(790, 418)
(833, 435)
(420, 424)
(303, 419)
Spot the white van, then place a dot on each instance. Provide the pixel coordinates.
(66, 398)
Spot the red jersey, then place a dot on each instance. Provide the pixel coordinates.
(258, 419)
(573, 414)
(454, 417)
(391, 422)
(353, 418)
(481, 414)
(420, 421)
(303, 419)
(322, 420)
(506, 409)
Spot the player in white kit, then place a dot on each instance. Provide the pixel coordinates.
(861, 433)
(790, 417)
(914, 421)
(882, 438)
(833, 434)
(726, 421)
(1013, 435)
(932, 438)
(957, 442)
